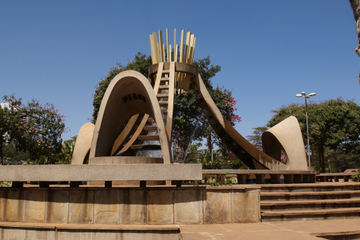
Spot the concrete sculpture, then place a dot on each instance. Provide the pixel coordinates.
(83, 144)
(131, 102)
(286, 136)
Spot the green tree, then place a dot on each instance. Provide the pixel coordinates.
(5, 127)
(11, 154)
(255, 139)
(33, 128)
(210, 161)
(334, 125)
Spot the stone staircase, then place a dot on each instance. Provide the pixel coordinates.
(317, 201)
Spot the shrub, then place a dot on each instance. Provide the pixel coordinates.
(356, 177)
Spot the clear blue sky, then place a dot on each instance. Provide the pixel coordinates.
(269, 51)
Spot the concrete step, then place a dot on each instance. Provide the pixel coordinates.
(145, 147)
(301, 215)
(162, 95)
(313, 187)
(292, 196)
(309, 204)
(164, 86)
(148, 137)
(163, 103)
(149, 128)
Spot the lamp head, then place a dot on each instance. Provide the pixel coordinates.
(298, 95)
(312, 94)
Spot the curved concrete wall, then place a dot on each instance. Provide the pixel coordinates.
(286, 136)
(129, 93)
(83, 143)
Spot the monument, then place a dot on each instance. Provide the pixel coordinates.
(134, 190)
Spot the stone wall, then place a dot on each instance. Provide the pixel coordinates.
(114, 206)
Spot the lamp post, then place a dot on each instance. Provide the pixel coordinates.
(303, 94)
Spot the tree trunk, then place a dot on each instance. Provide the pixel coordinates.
(321, 159)
(209, 144)
(1, 153)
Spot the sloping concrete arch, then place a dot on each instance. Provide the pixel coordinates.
(286, 136)
(82, 144)
(128, 94)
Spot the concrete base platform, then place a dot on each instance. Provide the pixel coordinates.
(130, 205)
(26, 231)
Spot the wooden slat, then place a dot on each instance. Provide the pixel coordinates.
(158, 76)
(175, 46)
(162, 95)
(152, 48)
(150, 128)
(164, 87)
(191, 47)
(135, 135)
(168, 49)
(187, 47)
(148, 137)
(156, 47)
(124, 133)
(162, 54)
(171, 95)
(182, 46)
(192, 51)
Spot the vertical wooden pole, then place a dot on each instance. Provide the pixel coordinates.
(162, 54)
(156, 47)
(175, 51)
(182, 46)
(168, 50)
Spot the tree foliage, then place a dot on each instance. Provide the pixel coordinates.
(33, 128)
(334, 126)
(255, 139)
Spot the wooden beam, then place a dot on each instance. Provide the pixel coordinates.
(167, 46)
(162, 54)
(156, 47)
(153, 49)
(175, 51)
(182, 46)
(187, 48)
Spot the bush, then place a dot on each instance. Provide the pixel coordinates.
(207, 163)
(356, 177)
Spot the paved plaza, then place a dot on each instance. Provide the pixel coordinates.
(292, 230)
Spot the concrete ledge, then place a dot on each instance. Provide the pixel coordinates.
(142, 172)
(107, 227)
(325, 177)
(231, 171)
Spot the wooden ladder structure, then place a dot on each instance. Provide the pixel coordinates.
(142, 136)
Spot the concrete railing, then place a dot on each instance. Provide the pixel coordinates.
(326, 177)
(107, 173)
(290, 176)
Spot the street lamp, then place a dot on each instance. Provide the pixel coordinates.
(303, 94)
